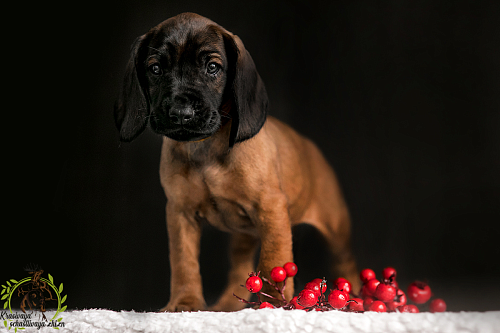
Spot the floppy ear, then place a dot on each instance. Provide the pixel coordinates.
(246, 90)
(132, 107)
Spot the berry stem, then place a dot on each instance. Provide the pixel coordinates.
(270, 283)
(267, 295)
(275, 286)
(282, 291)
(245, 301)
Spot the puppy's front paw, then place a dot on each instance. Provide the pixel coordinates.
(230, 303)
(185, 303)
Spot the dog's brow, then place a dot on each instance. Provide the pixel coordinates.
(160, 52)
(205, 52)
(151, 59)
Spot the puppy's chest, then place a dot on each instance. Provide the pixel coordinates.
(223, 204)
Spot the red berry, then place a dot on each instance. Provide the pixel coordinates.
(388, 273)
(385, 292)
(367, 302)
(437, 305)
(296, 305)
(290, 268)
(338, 299)
(356, 304)
(378, 306)
(408, 308)
(398, 301)
(394, 283)
(278, 274)
(307, 298)
(370, 287)
(254, 284)
(366, 275)
(364, 292)
(343, 284)
(419, 292)
(266, 305)
(314, 285)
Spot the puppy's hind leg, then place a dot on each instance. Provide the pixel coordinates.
(328, 213)
(242, 256)
(335, 226)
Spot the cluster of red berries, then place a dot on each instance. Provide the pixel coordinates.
(278, 274)
(385, 295)
(375, 295)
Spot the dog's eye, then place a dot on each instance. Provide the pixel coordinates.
(155, 69)
(213, 68)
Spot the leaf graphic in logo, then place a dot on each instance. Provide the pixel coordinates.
(6, 304)
(60, 288)
(5, 296)
(12, 280)
(63, 299)
(5, 323)
(3, 290)
(51, 279)
(8, 283)
(8, 290)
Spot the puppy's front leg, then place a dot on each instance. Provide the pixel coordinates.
(186, 292)
(275, 232)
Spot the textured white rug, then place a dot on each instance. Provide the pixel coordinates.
(274, 321)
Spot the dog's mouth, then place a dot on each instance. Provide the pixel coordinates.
(182, 134)
(195, 130)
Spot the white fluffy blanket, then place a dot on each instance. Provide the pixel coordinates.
(275, 321)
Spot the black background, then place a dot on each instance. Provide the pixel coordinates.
(402, 97)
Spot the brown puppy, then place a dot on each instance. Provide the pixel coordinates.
(223, 160)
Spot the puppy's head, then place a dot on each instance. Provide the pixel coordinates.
(188, 76)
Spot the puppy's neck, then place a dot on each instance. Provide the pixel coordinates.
(213, 149)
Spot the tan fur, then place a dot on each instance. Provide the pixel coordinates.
(257, 191)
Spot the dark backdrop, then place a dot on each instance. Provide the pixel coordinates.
(401, 96)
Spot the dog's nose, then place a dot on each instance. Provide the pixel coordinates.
(181, 116)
